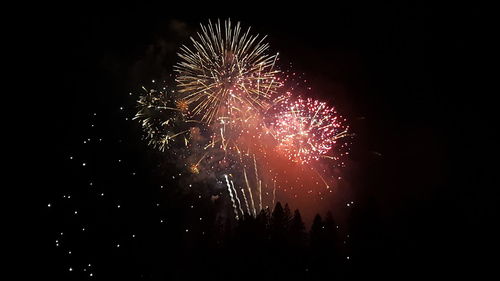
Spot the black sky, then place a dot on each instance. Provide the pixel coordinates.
(413, 78)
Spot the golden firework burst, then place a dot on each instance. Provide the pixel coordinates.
(226, 72)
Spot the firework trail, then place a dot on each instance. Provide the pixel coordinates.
(232, 198)
(249, 192)
(237, 198)
(246, 201)
(258, 183)
(321, 177)
(274, 194)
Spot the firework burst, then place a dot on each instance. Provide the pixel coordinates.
(227, 73)
(161, 118)
(229, 125)
(306, 129)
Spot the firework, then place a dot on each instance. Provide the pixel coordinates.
(161, 118)
(306, 129)
(226, 74)
(229, 122)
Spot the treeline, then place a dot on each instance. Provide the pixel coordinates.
(273, 245)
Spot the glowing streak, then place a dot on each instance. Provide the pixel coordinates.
(274, 194)
(237, 198)
(180, 133)
(258, 182)
(319, 175)
(260, 195)
(246, 201)
(204, 155)
(232, 198)
(249, 192)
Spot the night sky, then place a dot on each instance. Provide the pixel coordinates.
(411, 78)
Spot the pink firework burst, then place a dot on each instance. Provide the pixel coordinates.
(307, 129)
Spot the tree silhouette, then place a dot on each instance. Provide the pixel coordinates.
(287, 216)
(278, 225)
(297, 231)
(317, 233)
(331, 233)
(262, 226)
